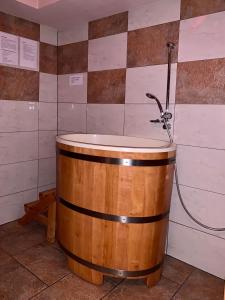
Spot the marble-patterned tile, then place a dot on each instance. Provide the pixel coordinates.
(15, 228)
(12, 206)
(48, 35)
(147, 46)
(201, 82)
(18, 26)
(15, 244)
(47, 171)
(201, 285)
(7, 266)
(105, 119)
(19, 284)
(154, 13)
(194, 8)
(192, 125)
(108, 26)
(78, 33)
(46, 262)
(47, 144)
(68, 91)
(72, 287)
(107, 86)
(18, 116)
(18, 84)
(137, 121)
(19, 146)
(176, 270)
(5, 259)
(137, 290)
(72, 117)
(48, 87)
(47, 116)
(73, 58)
(207, 207)
(202, 38)
(18, 177)
(201, 254)
(107, 53)
(201, 168)
(48, 58)
(152, 79)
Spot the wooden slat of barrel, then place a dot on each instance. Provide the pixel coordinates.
(117, 190)
(138, 190)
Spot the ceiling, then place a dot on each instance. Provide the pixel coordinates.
(67, 13)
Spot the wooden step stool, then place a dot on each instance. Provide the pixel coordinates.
(42, 211)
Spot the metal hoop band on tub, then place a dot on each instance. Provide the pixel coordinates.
(115, 272)
(127, 162)
(113, 218)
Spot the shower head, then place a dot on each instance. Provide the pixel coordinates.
(151, 96)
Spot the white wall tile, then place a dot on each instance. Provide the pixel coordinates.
(12, 206)
(153, 13)
(62, 132)
(47, 116)
(152, 79)
(72, 93)
(46, 187)
(105, 119)
(47, 144)
(200, 125)
(48, 35)
(199, 249)
(18, 177)
(19, 146)
(108, 52)
(72, 117)
(48, 87)
(18, 116)
(137, 117)
(202, 37)
(201, 168)
(77, 34)
(207, 207)
(47, 171)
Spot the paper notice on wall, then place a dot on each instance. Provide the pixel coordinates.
(28, 53)
(9, 53)
(76, 79)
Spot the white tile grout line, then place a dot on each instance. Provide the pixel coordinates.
(197, 229)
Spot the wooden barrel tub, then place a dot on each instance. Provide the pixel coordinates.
(113, 201)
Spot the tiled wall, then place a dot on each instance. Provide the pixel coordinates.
(28, 121)
(124, 56)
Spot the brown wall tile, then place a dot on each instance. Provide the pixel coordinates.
(194, 8)
(107, 86)
(18, 84)
(201, 82)
(48, 58)
(108, 26)
(18, 26)
(73, 58)
(147, 46)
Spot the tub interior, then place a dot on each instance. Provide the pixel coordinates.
(114, 141)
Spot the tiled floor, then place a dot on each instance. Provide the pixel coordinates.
(32, 269)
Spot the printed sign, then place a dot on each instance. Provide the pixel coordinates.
(28, 53)
(9, 53)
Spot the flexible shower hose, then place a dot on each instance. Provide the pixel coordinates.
(180, 195)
